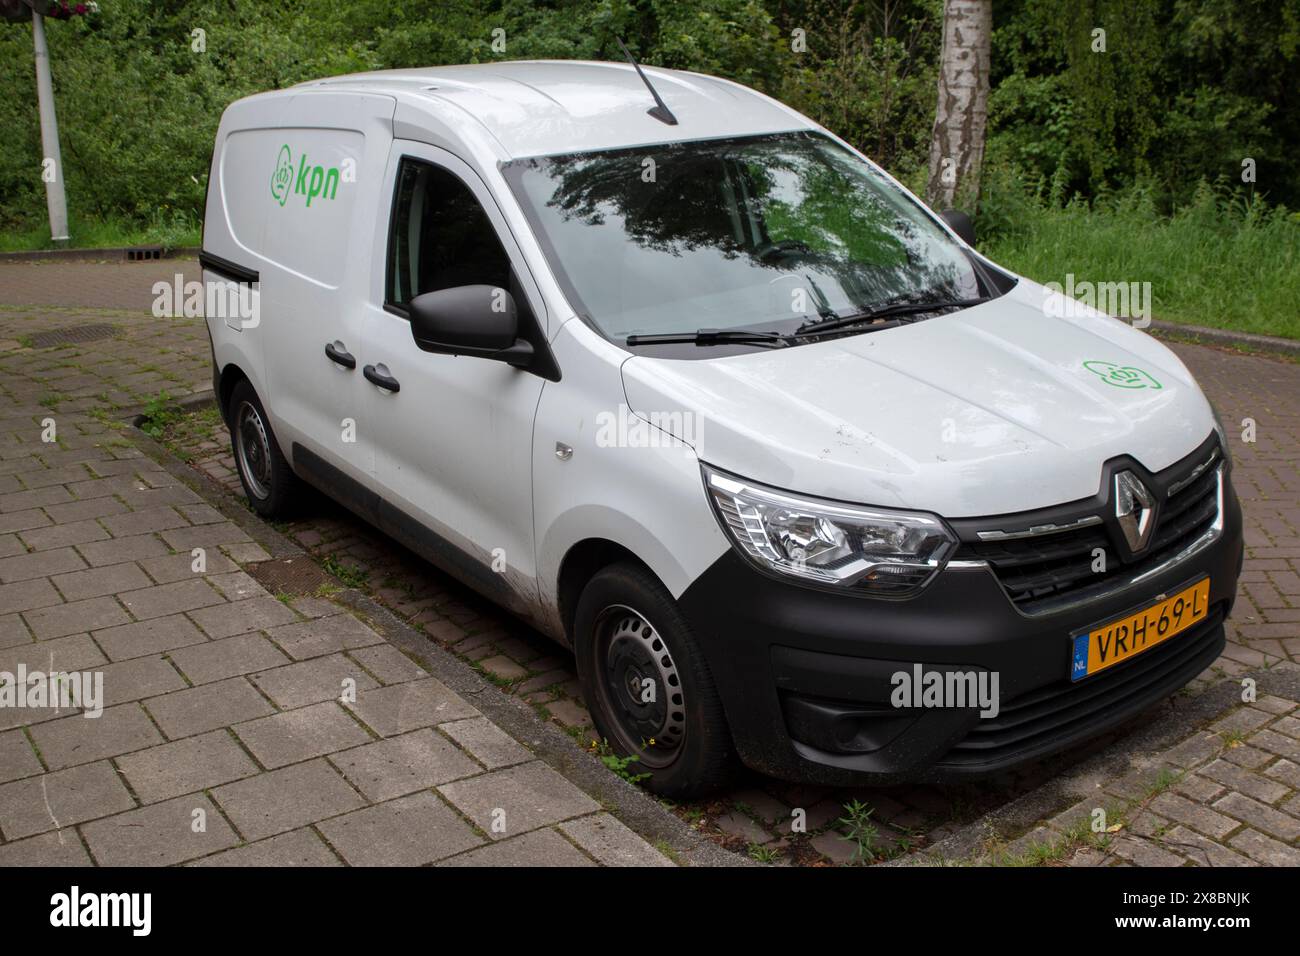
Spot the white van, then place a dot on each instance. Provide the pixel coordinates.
(682, 379)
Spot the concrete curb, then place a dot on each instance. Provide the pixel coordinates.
(101, 254)
(633, 806)
(1127, 753)
(1247, 341)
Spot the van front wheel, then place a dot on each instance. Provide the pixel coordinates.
(647, 685)
(266, 476)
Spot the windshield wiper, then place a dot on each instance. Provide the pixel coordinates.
(707, 337)
(884, 312)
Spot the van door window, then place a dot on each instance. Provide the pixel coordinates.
(441, 237)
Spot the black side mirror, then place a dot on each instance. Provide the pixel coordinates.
(477, 320)
(961, 224)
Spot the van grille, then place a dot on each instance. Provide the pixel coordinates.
(1043, 571)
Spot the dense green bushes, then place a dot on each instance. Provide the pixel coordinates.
(1184, 92)
(1220, 260)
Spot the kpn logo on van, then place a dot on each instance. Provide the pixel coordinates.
(308, 180)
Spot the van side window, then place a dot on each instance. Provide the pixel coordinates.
(440, 236)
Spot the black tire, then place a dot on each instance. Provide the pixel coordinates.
(270, 484)
(692, 753)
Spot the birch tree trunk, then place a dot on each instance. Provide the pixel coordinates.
(957, 144)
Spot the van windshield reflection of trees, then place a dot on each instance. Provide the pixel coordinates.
(762, 233)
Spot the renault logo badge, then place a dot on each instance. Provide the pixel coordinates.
(1133, 508)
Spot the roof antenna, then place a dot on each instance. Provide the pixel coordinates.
(660, 111)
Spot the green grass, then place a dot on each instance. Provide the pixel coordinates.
(174, 231)
(1221, 261)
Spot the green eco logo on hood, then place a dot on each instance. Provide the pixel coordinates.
(311, 181)
(1122, 376)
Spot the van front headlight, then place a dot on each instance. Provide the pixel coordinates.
(873, 551)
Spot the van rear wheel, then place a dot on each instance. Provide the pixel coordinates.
(647, 685)
(268, 481)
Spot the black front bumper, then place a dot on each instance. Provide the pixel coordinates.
(805, 674)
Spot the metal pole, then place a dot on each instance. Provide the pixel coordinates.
(54, 195)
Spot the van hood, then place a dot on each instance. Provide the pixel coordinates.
(1008, 406)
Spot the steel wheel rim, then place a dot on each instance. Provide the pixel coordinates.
(253, 451)
(630, 653)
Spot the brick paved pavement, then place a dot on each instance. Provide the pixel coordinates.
(1265, 627)
(237, 726)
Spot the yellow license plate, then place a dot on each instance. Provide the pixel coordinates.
(1128, 636)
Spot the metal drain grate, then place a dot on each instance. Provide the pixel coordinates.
(144, 253)
(72, 336)
(295, 576)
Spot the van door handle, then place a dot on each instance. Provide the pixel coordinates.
(340, 356)
(375, 377)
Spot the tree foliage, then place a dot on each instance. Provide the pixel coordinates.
(1186, 90)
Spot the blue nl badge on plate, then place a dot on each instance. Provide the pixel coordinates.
(1079, 662)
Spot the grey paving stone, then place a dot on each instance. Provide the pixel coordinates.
(310, 682)
(210, 536)
(1252, 784)
(81, 510)
(74, 652)
(160, 835)
(135, 548)
(53, 800)
(283, 800)
(10, 545)
(540, 848)
(1264, 849)
(1264, 818)
(1200, 850)
(63, 535)
(25, 595)
(148, 637)
(326, 635)
(410, 831)
(297, 848)
(398, 708)
(240, 586)
(1287, 772)
(168, 568)
(197, 710)
(144, 521)
(301, 734)
(531, 796)
(20, 520)
(59, 848)
(164, 599)
(80, 739)
(612, 843)
(1144, 852)
(185, 766)
(493, 747)
(39, 564)
(137, 679)
(17, 759)
(229, 657)
(36, 498)
(1199, 818)
(400, 765)
(253, 614)
(1275, 743)
(101, 581)
(76, 617)
(387, 663)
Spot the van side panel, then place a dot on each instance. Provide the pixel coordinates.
(234, 222)
(320, 177)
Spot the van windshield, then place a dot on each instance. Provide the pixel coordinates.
(767, 233)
